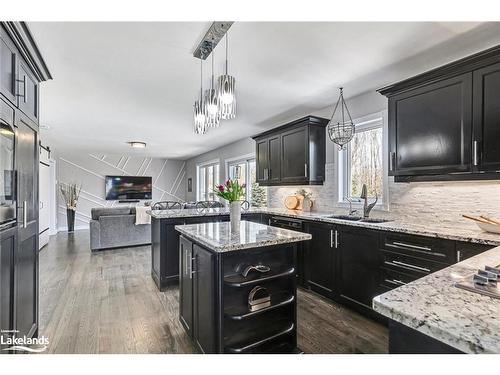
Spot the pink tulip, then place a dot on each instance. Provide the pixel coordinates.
(243, 185)
(228, 183)
(221, 188)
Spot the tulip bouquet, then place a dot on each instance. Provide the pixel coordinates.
(231, 191)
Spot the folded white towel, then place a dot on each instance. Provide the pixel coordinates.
(141, 217)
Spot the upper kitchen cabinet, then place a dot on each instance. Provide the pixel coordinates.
(8, 67)
(486, 120)
(292, 154)
(443, 124)
(21, 68)
(28, 92)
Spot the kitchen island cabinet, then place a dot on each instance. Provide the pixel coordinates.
(226, 305)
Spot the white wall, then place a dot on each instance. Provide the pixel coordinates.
(90, 169)
(242, 147)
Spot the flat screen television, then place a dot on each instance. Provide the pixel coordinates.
(128, 187)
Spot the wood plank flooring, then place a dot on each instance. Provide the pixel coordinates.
(106, 302)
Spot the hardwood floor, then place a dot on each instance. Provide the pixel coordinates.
(106, 302)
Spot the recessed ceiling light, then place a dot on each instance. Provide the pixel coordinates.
(136, 144)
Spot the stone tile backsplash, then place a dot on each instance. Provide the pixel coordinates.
(426, 202)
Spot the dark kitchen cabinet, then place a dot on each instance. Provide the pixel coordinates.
(486, 119)
(28, 92)
(430, 128)
(320, 258)
(292, 154)
(443, 124)
(186, 285)
(8, 246)
(21, 70)
(262, 160)
(268, 160)
(8, 67)
(197, 291)
(203, 299)
(26, 264)
(358, 265)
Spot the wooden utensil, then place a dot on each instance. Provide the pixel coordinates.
(491, 220)
(481, 220)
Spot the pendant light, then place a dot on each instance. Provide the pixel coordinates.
(212, 108)
(341, 132)
(225, 89)
(200, 118)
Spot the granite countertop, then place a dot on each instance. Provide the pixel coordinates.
(432, 305)
(466, 233)
(217, 236)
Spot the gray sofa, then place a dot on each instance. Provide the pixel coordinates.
(115, 227)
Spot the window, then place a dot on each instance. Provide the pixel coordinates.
(361, 162)
(208, 177)
(247, 173)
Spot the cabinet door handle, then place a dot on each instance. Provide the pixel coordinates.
(416, 247)
(336, 239)
(193, 271)
(25, 214)
(391, 161)
(398, 263)
(395, 282)
(475, 152)
(25, 90)
(331, 238)
(305, 170)
(459, 256)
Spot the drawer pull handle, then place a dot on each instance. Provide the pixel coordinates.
(395, 282)
(425, 248)
(398, 263)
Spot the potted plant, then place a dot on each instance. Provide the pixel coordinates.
(233, 192)
(70, 194)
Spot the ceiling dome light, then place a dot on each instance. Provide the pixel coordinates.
(226, 91)
(137, 144)
(341, 132)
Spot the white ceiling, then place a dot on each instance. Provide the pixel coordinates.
(117, 82)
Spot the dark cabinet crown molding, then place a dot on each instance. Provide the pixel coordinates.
(22, 37)
(466, 64)
(312, 120)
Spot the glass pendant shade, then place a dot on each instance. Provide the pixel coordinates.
(227, 99)
(341, 131)
(200, 119)
(212, 110)
(226, 91)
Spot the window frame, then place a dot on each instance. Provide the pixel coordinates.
(365, 123)
(199, 166)
(247, 159)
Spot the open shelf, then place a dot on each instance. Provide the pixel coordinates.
(237, 280)
(247, 347)
(242, 312)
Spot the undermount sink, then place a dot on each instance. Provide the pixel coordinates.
(345, 217)
(358, 218)
(370, 220)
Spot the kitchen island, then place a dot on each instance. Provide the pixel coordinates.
(432, 315)
(238, 290)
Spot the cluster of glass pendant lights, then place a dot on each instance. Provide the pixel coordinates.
(217, 103)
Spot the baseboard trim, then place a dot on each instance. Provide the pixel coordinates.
(77, 227)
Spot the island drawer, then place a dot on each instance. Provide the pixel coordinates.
(435, 249)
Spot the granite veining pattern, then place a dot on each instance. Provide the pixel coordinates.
(217, 236)
(467, 321)
(451, 231)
